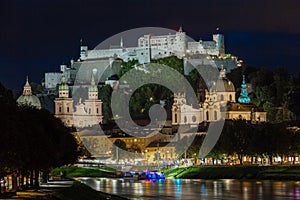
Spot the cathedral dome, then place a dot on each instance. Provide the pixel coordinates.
(27, 98)
(222, 84)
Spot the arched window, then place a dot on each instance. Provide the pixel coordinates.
(207, 115)
(68, 109)
(185, 119)
(59, 109)
(89, 111)
(222, 97)
(230, 97)
(215, 115)
(201, 98)
(175, 120)
(194, 118)
(97, 110)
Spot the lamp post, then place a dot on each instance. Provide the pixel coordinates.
(146, 156)
(158, 155)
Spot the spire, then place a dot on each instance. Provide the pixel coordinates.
(63, 79)
(27, 88)
(93, 80)
(222, 72)
(93, 89)
(27, 82)
(244, 98)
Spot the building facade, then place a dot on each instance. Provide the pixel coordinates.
(152, 47)
(86, 113)
(219, 104)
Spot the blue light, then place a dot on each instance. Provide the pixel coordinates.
(244, 98)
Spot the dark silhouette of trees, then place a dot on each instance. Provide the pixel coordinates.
(236, 137)
(32, 140)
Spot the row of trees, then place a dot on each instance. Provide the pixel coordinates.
(240, 138)
(32, 141)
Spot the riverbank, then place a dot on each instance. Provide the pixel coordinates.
(277, 172)
(282, 172)
(74, 171)
(62, 190)
(80, 191)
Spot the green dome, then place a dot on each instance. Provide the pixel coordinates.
(63, 86)
(29, 100)
(93, 88)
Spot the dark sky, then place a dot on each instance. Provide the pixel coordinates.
(38, 36)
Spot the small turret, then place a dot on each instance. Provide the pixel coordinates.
(180, 29)
(83, 51)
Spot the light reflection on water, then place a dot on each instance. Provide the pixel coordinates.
(197, 189)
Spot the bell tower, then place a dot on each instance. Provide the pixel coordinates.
(93, 105)
(64, 104)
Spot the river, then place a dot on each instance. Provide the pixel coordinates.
(197, 189)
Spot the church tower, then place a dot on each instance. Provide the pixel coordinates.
(64, 104)
(93, 105)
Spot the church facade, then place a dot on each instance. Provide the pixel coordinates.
(219, 104)
(85, 114)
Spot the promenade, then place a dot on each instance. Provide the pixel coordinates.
(44, 192)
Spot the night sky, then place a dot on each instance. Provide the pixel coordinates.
(38, 36)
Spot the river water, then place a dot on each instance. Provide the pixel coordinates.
(197, 189)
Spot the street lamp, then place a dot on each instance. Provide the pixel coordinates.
(146, 151)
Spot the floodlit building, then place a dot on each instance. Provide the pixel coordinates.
(157, 152)
(219, 104)
(27, 98)
(86, 113)
(158, 46)
(149, 47)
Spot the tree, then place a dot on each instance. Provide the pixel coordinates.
(127, 66)
(119, 150)
(104, 93)
(236, 137)
(293, 143)
(32, 139)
